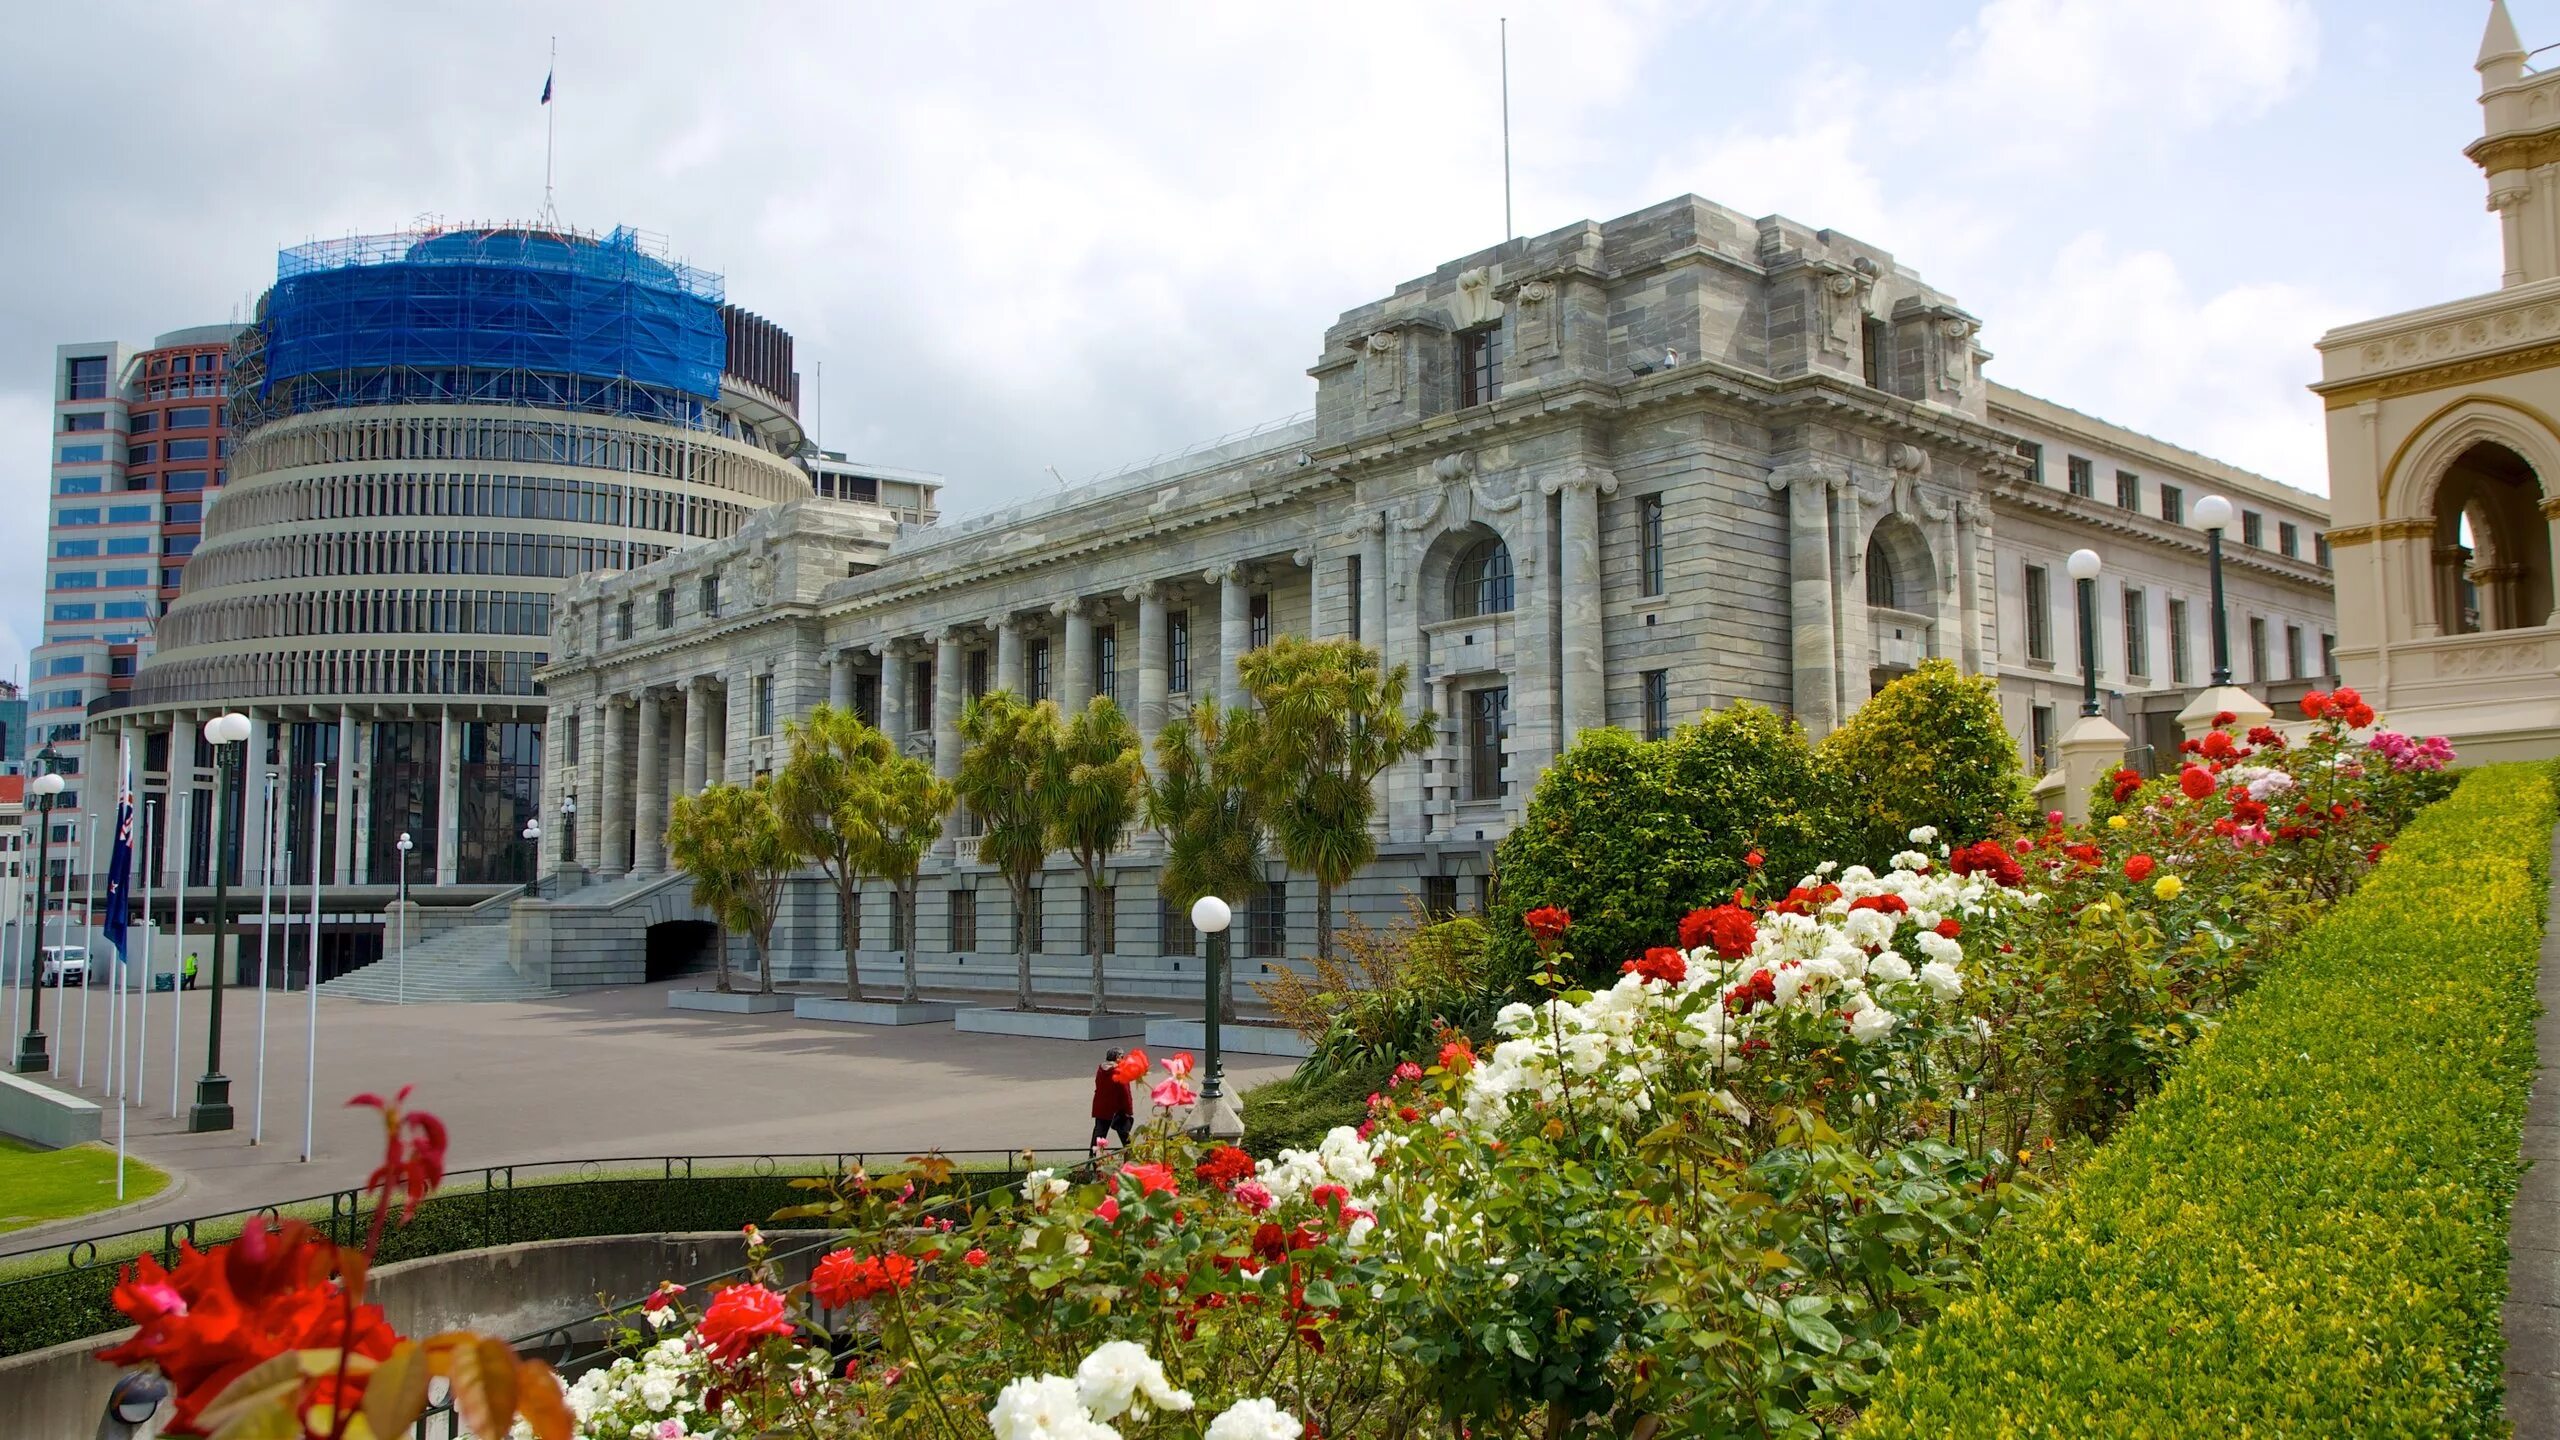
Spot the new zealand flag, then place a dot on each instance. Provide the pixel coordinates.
(120, 872)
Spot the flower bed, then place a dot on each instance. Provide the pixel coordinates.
(2305, 1232)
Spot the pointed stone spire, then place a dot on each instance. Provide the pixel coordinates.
(2502, 55)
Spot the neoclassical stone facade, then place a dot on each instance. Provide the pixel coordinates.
(1617, 474)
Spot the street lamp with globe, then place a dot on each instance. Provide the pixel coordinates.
(228, 735)
(533, 860)
(32, 1054)
(401, 975)
(1218, 1119)
(2083, 567)
(2214, 513)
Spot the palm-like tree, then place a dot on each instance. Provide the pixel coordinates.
(729, 838)
(851, 803)
(1332, 722)
(1203, 801)
(1097, 786)
(1003, 780)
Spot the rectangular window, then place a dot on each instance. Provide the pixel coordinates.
(2173, 504)
(92, 420)
(2178, 661)
(128, 514)
(1106, 662)
(764, 705)
(188, 513)
(74, 549)
(128, 577)
(1649, 515)
(1258, 621)
(710, 596)
(2128, 490)
(1266, 921)
(1036, 658)
(177, 480)
(964, 920)
(188, 449)
(2289, 539)
(2084, 475)
(128, 610)
(622, 621)
(63, 665)
(83, 454)
(1488, 726)
(2253, 529)
(84, 516)
(84, 377)
(1440, 897)
(2039, 613)
(169, 577)
(1479, 366)
(2320, 556)
(1035, 922)
(2293, 652)
(141, 454)
(1873, 343)
(1100, 931)
(920, 693)
(79, 485)
(2040, 739)
(1351, 585)
(2258, 648)
(977, 674)
(1657, 704)
(666, 609)
(1174, 935)
(2328, 654)
(1178, 648)
(2137, 632)
(76, 580)
(2035, 461)
(190, 417)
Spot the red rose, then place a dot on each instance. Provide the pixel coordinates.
(1109, 1210)
(1223, 1167)
(2138, 868)
(2359, 715)
(975, 1258)
(1659, 963)
(1132, 1067)
(1151, 1178)
(1457, 1056)
(1987, 857)
(2196, 781)
(1729, 928)
(1547, 922)
(2315, 703)
(842, 1278)
(2224, 717)
(739, 1318)
(1751, 994)
(1951, 927)
(1753, 859)
(2124, 783)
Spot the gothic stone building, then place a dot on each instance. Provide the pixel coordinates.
(1618, 474)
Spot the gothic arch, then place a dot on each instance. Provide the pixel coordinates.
(2490, 545)
(2417, 469)
(1899, 570)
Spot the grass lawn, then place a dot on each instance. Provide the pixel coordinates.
(40, 1185)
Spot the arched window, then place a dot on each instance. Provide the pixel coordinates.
(1880, 579)
(1481, 583)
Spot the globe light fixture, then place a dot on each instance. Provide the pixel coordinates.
(1211, 916)
(2083, 567)
(2214, 513)
(401, 976)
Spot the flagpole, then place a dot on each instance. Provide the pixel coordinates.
(88, 928)
(550, 127)
(311, 971)
(142, 1040)
(178, 954)
(266, 900)
(61, 957)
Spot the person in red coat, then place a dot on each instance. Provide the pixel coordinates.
(1113, 1110)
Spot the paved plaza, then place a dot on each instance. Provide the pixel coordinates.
(603, 1073)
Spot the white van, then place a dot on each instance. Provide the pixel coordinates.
(64, 965)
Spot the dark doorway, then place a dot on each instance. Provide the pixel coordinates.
(681, 947)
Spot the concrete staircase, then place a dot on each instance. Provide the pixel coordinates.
(467, 963)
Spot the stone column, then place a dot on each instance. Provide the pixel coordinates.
(1235, 631)
(181, 779)
(2551, 519)
(946, 703)
(893, 693)
(1008, 630)
(2092, 748)
(1374, 630)
(344, 872)
(840, 680)
(593, 722)
(1582, 685)
(613, 759)
(649, 821)
(365, 736)
(1849, 602)
(1972, 521)
(1075, 672)
(448, 798)
(555, 783)
(736, 724)
(1153, 668)
(1817, 689)
(697, 728)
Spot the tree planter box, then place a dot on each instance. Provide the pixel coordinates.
(1237, 1037)
(737, 1002)
(1053, 1024)
(874, 1012)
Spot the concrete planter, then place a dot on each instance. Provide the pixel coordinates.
(1052, 1025)
(1233, 1036)
(874, 1012)
(739, 1002)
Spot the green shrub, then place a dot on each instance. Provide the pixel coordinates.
(1929, 749)
(1629, 836)
(1295, 1111)
(2305, 1231)
(1387, 995)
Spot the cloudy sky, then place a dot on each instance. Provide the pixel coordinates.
(1026, 236)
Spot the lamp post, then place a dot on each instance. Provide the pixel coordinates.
(2083, 566)
(31, 1055)
(1217, 1120)
(533, 862)
(402, 975)
(2214, 513)
(568, 827)
(227, 735)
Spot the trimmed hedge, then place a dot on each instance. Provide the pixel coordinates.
(50, 1307)
(2305, 1231)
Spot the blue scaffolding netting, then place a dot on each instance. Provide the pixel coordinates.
(523, 314)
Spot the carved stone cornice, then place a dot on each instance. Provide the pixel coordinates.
(2529, 150)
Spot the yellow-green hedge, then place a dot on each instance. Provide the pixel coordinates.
(2305, 1232)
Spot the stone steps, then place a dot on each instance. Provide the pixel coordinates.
(466, 964)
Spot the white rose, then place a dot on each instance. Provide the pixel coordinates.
(1872, 1023)
(1924, 835)
(1942, 979)
(1254, 1420)
(1888, 966)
